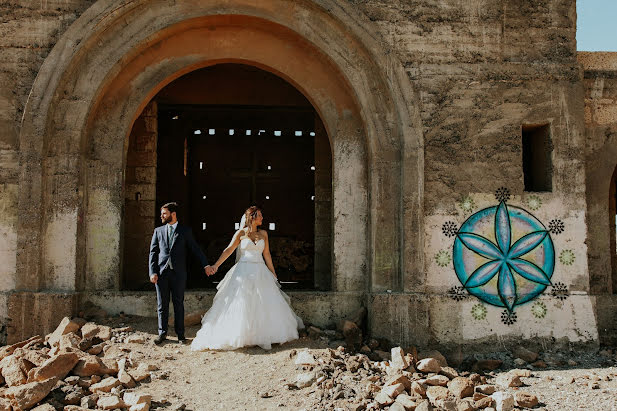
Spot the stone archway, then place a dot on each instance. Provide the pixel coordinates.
(118, 54)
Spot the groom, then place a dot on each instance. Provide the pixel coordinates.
(169, 250)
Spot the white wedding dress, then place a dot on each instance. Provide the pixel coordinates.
(249, 308)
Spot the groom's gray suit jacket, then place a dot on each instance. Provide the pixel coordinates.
(173, 254)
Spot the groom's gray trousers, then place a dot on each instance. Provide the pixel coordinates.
(170, 283)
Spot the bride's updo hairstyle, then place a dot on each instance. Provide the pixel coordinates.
(250, 214)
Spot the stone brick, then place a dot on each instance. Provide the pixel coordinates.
(428, 365)
(13, 370)
(110, 402)
(90, 330)
(106, 385)
(134, 398)
(66, 326)
(461, 387)
(56, 367)
(25, 396)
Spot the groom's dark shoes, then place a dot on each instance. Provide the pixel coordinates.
(159, 340)
(182, 339)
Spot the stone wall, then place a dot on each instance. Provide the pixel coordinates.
(140, 210)
(28, 31)
(600, 81)
(484, 69)
(476, 72)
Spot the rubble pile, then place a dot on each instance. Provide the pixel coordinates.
(401, 381)
(76, 367)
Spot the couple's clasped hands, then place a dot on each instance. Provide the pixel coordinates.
(211, 270)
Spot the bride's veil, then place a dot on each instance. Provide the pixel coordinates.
(242, 224)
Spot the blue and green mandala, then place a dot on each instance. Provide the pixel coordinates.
(503, 255)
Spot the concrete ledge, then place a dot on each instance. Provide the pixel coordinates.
(319, 308)
(439, 321)
(403, 318)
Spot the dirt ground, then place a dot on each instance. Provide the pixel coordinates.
(255, 379)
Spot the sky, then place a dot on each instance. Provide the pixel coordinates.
(596, 25)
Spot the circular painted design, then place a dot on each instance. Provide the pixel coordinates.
(504, 256)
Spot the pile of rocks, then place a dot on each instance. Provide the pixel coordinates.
(74, 368)
(337, 379)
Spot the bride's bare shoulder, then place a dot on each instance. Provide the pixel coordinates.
(263, 233)
(239, 234)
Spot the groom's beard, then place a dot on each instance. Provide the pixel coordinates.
(166, 220)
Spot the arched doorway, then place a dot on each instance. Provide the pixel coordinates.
(119, 54)
(216, 140)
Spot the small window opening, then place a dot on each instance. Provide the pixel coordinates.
(537, 164)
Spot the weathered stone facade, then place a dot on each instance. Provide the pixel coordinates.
(424, 103)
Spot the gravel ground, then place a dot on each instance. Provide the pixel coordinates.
(255, 379)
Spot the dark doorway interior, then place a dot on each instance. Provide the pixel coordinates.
(537, 163)
(229, 157)
(215, 175)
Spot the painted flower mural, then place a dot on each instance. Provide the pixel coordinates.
(503, 255)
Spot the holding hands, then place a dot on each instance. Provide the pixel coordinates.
(210, 270)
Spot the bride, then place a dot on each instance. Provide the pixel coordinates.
(249, 307)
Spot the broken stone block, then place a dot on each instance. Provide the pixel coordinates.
(90, 365)
(69, 340)
(75, 408)
(5, 405)
(90, 330)
(58, 367)
(13, 370)
(485, 402)
(508, 380)
(139, 407)
(305, 379)
(486, 389)
(525, 354)
(36, 357)
(96, 349)
(66, 326)
(449, 372)
(383, 399)
(418, 388)
(525, 400)
(406, 401)
(393, 391)
(398, 360)
(126, 379)
(428, 365)
(399, 379)
(136, 339)
(461, 387)
(396, 407)
(466, 404)
(503, 401)
(25, 396)
(435, 393)
(134, 398)
(520, 372)
(424, 406)
(73, 397)
(44, 407)
(106, 385)
(305, 358)
(434, 354)
(89, 401)
(110, 402)
(437, 380)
